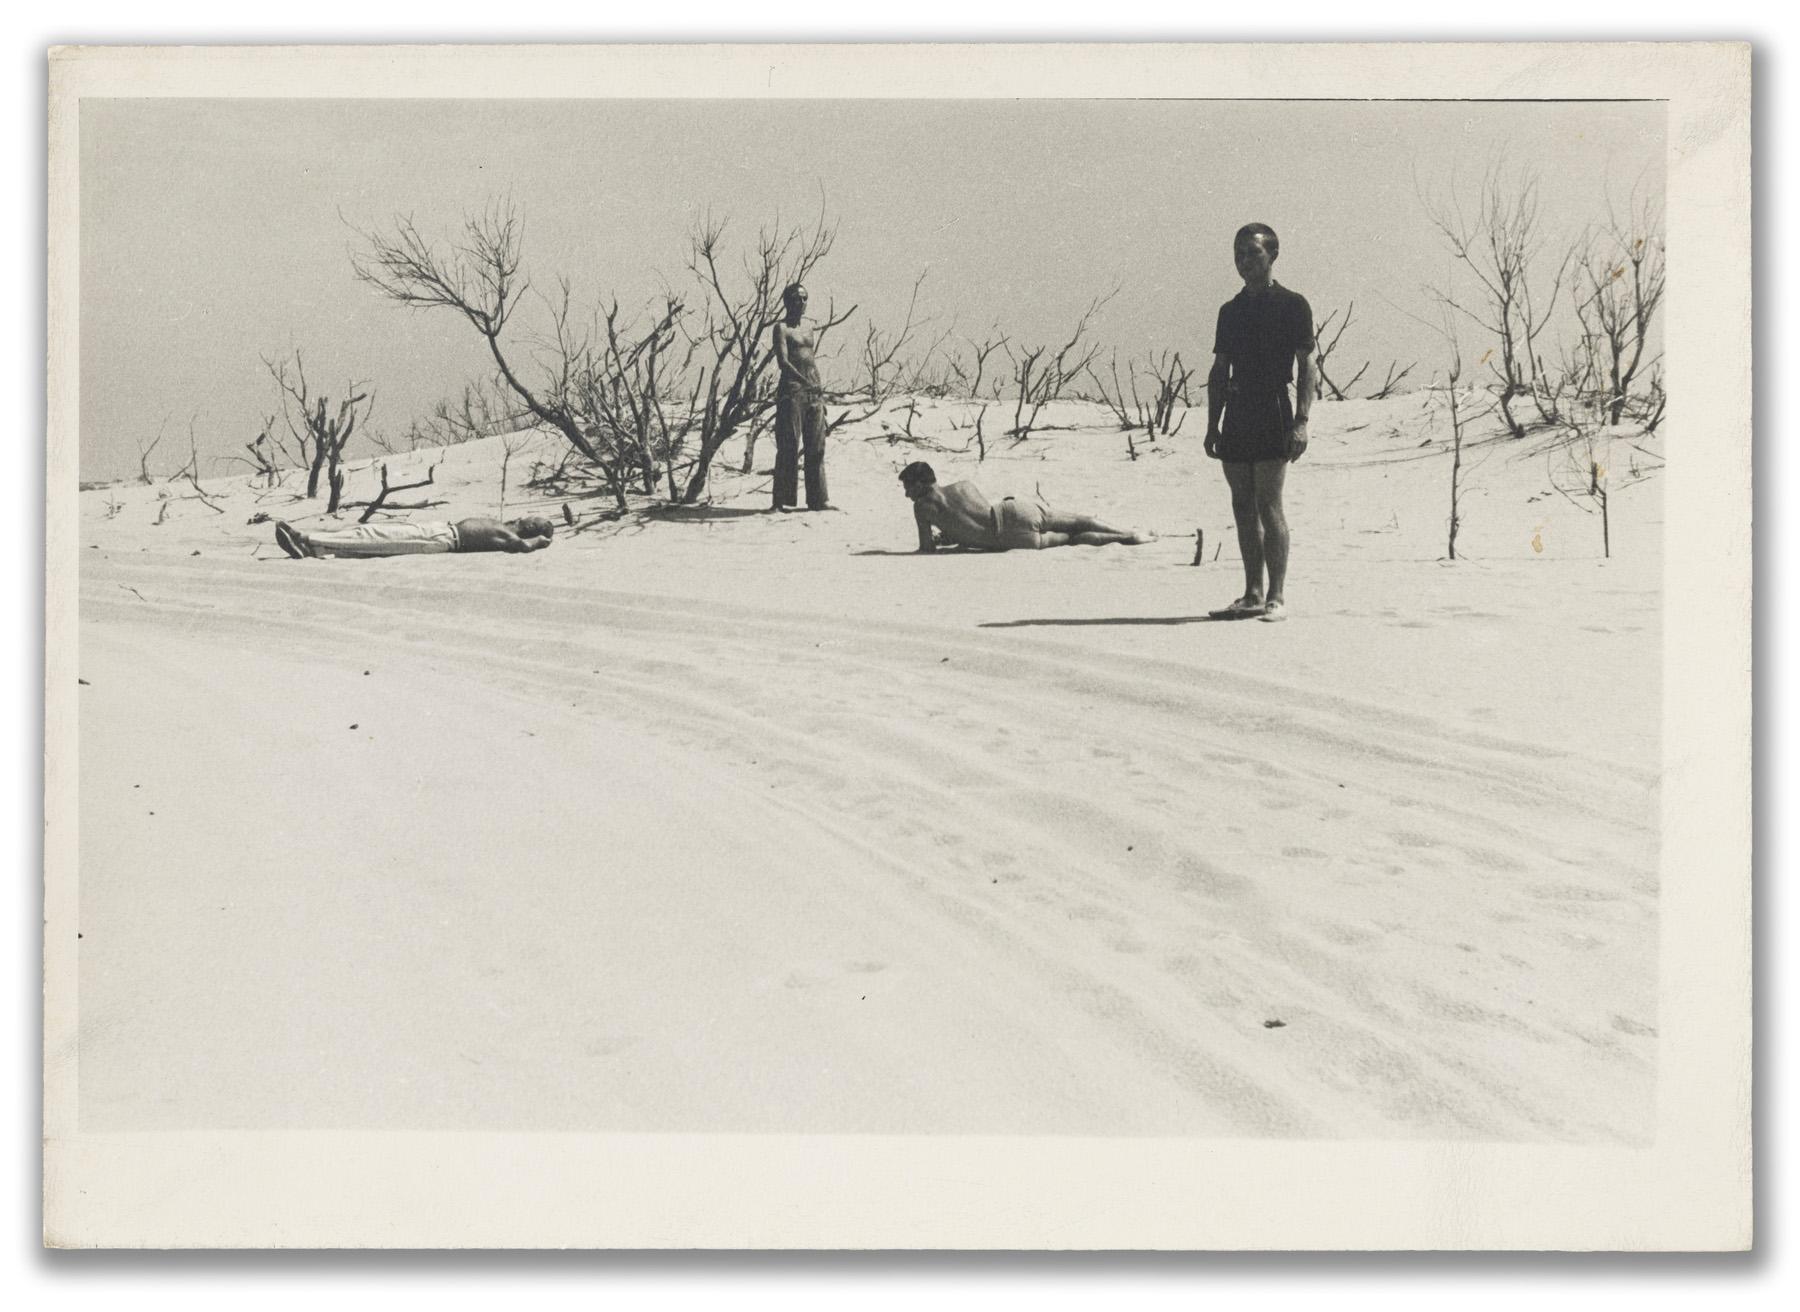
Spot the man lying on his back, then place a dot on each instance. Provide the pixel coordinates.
(960, 516)
(531, 533)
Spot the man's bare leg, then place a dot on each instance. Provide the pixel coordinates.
(1242, 476)
(1086, 531)
(1271, 477)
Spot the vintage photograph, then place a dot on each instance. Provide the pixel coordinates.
(1064, 616)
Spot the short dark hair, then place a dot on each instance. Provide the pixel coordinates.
(533, 526)
(1258, 230)
(788, 292)
(918, 472)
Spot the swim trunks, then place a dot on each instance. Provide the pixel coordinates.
(1019, 525)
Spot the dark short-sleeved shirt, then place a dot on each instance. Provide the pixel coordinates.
(1261, 333)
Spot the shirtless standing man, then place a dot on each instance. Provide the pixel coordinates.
(960, 516)
(1262, 331)
(799, 407)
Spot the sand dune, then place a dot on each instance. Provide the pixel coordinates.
(726, 821)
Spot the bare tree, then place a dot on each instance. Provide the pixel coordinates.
(969, 376)
(144, 450)
(640, 401)
(480, 278)
(1127, 415)
(263, 455)
(634, 394)
(1656, 402)
(321, 433)
(1171, 378)
(734, 348)
(1393, 380)
(1456, 440)
(1578, 469)
(875, 365)
(1042, 374)
(1619, 288)
(1499, 244)
(1323, 347)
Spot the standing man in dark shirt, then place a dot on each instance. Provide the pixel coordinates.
(1262, 331)
(799, 407)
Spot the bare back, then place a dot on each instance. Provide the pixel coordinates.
(482, 534)
(960, 513)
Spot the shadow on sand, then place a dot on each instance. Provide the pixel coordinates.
(701, 514)
(1120, 619)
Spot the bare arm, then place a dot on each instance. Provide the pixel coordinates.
(1218, 382)
(511, 541)
(927, 540)
(1303, 399)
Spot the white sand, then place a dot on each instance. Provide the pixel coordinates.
(713, 820)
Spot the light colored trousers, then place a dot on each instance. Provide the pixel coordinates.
(398, 539)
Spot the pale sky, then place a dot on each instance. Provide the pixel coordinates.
(214, 232)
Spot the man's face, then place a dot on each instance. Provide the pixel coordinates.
(1254, 258)
(795, 301)
(915, 489)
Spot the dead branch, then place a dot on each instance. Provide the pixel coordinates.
(380, 501)
(1042, 377)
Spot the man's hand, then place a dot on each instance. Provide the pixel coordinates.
(1297, 440)
(1211, 445)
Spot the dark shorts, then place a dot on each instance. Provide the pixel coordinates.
(1257, 427)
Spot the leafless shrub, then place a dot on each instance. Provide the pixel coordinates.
(1041, 375)
(320, 433)
(1619, 288)
(1171, 378)
(190, 473)
(1578, 471)
(876, 369)
(1395, 376)
(1326, 339)
(1499, 244)
(144, 450)
(969, 376)
(1123, 411)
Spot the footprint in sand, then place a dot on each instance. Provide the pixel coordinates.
(1492, 860)
(1093, 911)
(1198, 875)
(1571, 893)
(1406, 838)
(816, 974)
(1308, 853)
(1626, 1025)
